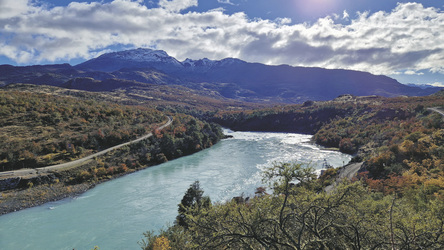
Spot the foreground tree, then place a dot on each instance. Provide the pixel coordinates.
(192, 203)
(297, 216)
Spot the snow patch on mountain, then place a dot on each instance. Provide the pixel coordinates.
(143, 55)
(207, 63)
(158, 59)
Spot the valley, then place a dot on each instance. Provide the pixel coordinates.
(56, 114)
(221, 124)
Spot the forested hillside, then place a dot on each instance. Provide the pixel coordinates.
(400, 140)
(41, 129)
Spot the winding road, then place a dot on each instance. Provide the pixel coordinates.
(36, 171)
(348, 171)
(436, 109)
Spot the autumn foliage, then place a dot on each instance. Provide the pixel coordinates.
(399, 139)
(41, 129)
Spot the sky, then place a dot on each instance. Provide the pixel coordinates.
(401, 39)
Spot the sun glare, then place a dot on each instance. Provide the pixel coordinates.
(313, 8)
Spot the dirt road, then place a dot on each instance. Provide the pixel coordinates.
(436, 109)
(348, 171)
(23, 172)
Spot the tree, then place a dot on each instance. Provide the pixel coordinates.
(192, 202)
(346, 146)
(297, 216)
(161, 243)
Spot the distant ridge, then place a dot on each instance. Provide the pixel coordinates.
(246, 81)
(229, 77)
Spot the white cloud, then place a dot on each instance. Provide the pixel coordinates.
(438, 84)
(411, 72)
(225, 2)
(12, 8)
(177, 5)
(407, 39)
(345, 15)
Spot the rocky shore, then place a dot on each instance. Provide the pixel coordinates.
(18, 199)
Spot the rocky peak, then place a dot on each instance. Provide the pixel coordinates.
(141, 55)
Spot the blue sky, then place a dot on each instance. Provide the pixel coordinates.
(402, 39)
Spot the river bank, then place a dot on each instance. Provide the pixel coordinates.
(16, 200)
(60, 185)
(114, 214)
(39, 189)
(70, 179)
(27, 188)
(64, 183)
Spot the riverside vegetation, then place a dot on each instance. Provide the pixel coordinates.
(400, 141)
(300, 217)
(42, 129)
(396, 202)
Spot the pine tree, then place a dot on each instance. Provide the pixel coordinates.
(193, 199)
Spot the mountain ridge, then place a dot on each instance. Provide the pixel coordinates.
(230, 77)
(143, 58)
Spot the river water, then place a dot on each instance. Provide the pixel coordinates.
(114, 214)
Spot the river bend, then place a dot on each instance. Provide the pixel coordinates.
(114, 214)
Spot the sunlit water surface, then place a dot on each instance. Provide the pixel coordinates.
(114, 214)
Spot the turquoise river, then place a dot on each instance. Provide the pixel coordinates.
(113, 215)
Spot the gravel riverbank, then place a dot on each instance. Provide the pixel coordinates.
(15, 200)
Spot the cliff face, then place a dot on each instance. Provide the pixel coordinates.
(303, 122)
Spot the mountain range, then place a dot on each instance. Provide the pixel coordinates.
(227, 78)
